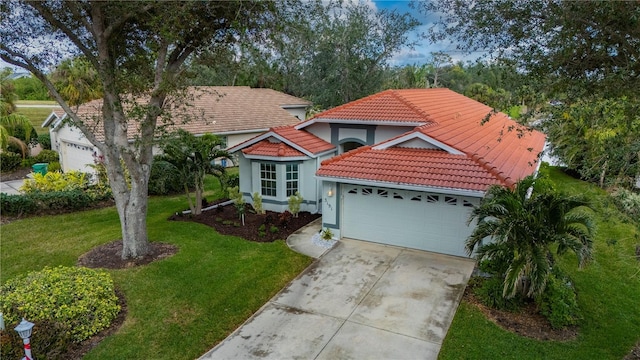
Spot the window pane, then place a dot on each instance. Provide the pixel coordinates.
(267, 179)
(291, 179)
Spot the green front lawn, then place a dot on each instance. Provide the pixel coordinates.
(178, 308)
(608, 294)
(37, 115)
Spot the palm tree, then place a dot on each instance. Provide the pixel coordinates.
(77, 81)
(192, 156)
(522, 225)
(9, 121)
(8, 124)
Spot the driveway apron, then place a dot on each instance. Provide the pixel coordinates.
(360, 300)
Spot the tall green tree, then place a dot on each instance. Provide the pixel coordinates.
(524, 224)
(77, 81)
(138, 50)
(598, 138)
(348, 50)
(580, 47)
(192, 157)
(585, 54)
(30, 88)
(330, 52)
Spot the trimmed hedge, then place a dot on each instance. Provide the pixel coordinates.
(45, 141)
(45, 156)
(9, 161)
(55, 201)
(81, 300)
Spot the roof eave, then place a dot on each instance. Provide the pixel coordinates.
(359, 122)
(276, 158)
(403, 186)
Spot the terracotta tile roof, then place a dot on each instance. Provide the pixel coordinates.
(383, 106)
(304, 139)
(422, 167)
(268, 148)
(299, 140)
(216, 109)
(503, 149)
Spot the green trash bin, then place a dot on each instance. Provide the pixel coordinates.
(40, 168)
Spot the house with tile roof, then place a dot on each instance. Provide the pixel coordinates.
(235, 113)
(400, 167)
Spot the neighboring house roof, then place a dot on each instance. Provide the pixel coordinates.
(481, 152)
(215, 109)
(289, 141)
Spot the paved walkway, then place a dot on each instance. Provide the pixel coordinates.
(360, 300)
(11, 187)
(301, 242)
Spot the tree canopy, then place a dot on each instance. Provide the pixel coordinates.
(581, 47)
(137, 50)
(327, 52)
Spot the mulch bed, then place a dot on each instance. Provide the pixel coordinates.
(634, 354)
(109, 256)
(17, 174)
(526, 322)
(226, 221)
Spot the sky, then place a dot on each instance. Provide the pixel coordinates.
(420, 54)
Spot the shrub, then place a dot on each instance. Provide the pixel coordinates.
(45, 141)
(17, 205)
(63, 200)
(284, 218)
(558, 303)
(9, 161)
(56, 181)
(262, 230)
(56, 201)
(295, 201)
(274, 229)
(45, 156)
(81, 300)
(54, 166)
(489, 292)
(326, 234)
(49, 340)
(238, 200)
(627, 201)
(257, 203)
(164, 178)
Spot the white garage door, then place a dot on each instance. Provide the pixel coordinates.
(76, 157)
(418, 220)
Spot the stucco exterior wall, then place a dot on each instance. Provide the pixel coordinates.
(331, 207)
(320, 130)
(307, 184)
(299, 112)
(387, 132)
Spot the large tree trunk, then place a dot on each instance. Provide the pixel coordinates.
(131, 203)
(135, 241)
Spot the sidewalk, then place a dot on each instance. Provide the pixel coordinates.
(11, 187)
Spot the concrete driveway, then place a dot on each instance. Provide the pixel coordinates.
(359, 301)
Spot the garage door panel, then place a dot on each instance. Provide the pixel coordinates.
(406, 218)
